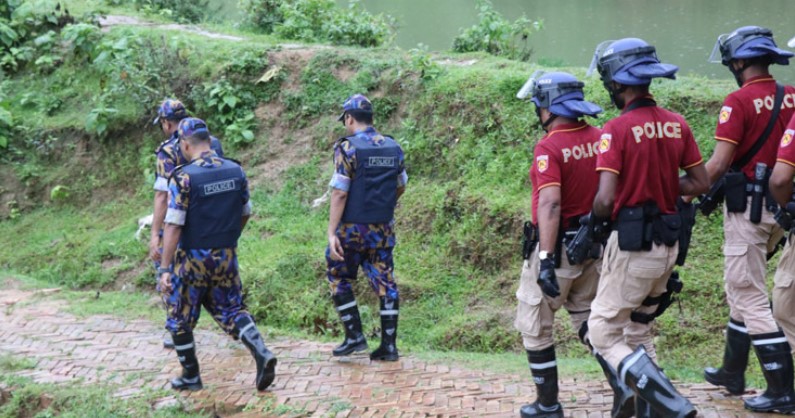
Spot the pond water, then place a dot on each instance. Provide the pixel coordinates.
(684, 31)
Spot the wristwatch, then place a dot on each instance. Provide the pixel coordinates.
(543, 255)
(161, 270)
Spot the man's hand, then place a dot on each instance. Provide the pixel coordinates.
(335, 248)
(547, 279)
(165, 283)
(154, 247)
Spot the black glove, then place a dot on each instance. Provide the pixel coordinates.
(547, 280)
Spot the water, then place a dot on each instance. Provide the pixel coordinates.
(684, 31)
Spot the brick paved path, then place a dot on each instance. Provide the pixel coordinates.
(309, 381)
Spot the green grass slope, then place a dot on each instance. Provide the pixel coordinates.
(468, 145)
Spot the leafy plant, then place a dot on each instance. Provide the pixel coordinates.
(99, 119)
(496, 35)
(320, 21)
(183, 11)
(422, 61)
(262, 14)
(83, 39)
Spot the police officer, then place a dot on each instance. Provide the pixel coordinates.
(368, 180)
(169, 156)
(208, 208)
(781, 189)
(564, 182)
(641, 153)
(745, 126)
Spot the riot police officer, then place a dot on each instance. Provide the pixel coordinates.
(740, 161)
(781, 190)
(641, 153)
(169, 156)
(208, 208)
(369, 178)
(564, 182)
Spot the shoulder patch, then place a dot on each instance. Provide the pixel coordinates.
(542, 163)
(725, 114)
(787, 138)
(604, 143)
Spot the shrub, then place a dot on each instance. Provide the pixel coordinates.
(262, 14)
(320, 21)
(180, 10)
(496, 35)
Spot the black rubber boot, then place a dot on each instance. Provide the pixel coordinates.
(186, 353)
(640, 373)
(545, 375)
(349, 314)
(623, 396)
(387, 351)
(735, 360)
(775, 359)
(265, 359)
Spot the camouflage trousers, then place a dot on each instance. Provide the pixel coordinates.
(208, 278)
(377, 264)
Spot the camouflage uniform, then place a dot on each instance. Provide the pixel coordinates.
(202, 277)
(366, 245)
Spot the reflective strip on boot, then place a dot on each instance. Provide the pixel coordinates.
(246, 328)
(346, 306)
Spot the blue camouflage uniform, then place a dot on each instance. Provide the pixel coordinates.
(206, 277)
(366, 244)
(169, 156)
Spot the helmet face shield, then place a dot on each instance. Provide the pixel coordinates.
(527, 89)
(600, 50)
(726, 47)
(544, 88)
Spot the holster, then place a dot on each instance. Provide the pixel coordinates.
(529, 239)
(687, 211)
(736, 185)
(672, 287)
(707, 203)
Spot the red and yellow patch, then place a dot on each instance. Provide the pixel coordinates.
(542, 163)
(787, 138)
(725, 114)
(604, 143)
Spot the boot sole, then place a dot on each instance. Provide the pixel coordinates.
(786, 410)
(390, 357)
(359, 348)
(717, 382)
(268, 375)
(191, 388)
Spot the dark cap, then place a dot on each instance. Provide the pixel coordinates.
(356, 103)
(170, 109)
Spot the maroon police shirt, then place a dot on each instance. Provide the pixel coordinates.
(646, 147)
(566, 157)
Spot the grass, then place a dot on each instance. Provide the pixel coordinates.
(468, 144)
(44, 401)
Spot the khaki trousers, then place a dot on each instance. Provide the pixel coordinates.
(784, 293)
(535, 313)
(628, 278)
(745, 251)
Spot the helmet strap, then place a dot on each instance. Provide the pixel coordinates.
(738, 73)
(545, 125)
(614, 94)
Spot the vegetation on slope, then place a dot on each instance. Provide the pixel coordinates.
(468, 143)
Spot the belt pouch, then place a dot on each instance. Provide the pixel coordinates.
(630, 227)
(736, 197)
